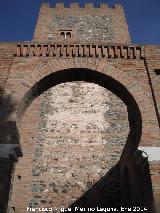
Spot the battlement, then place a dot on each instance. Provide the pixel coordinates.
(85, 22)
(86, 6)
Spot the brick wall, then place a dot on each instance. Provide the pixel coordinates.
(153, 66)
(73, 148)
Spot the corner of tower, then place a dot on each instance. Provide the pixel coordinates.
(118, 6)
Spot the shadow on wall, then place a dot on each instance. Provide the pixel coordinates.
(8, 129)
(9, 139)
(115, 188)
(105, 193)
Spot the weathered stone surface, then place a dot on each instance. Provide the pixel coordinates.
(88, 27)
(78, 124)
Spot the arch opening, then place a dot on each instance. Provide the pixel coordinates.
(91, 76)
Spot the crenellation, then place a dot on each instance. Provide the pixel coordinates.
(45, 5)
(118, 6)
(74, 5)
(59, 6)
(105, 26)
(89, 6)
(103, 6)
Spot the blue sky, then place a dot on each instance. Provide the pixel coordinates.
(18, 18)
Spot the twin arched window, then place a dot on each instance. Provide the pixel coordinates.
(65, 35)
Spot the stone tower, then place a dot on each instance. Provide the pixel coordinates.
(80, 106)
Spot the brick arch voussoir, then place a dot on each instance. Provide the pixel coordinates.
(43, 69)
(131, 84)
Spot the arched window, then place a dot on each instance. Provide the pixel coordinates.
(62, 35)
(68, 35)
(65, 34)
